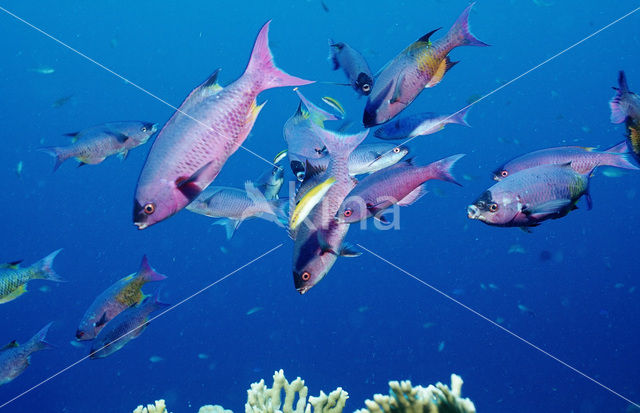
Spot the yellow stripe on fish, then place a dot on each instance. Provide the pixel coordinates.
(310, 200)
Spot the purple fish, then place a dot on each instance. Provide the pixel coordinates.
(93, 145)
(128, 325)
(115, 299)
(318, 240)
(625, 103)
(531, 196)
(583, 160)
(419, 124)
(353, 65)
(419, 66)
(400, 184)
(14, 359)
(211, 124)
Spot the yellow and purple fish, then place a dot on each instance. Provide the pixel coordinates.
(583, 160)
(419, 66)
(318, 240)
(419, 124)
(211, 124)
(354, 66)
(625, 107)
(13, 279)
(531, 196)
(401, 184)
(93, 145)
(15, 358)
(115, 299)
(126, 326)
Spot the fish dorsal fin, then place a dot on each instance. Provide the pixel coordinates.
(426, 37)
(212, 81)
(302, 111)
(14, 265)
(10, 345)
(312, 170)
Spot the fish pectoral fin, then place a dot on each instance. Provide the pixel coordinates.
(123, 155)
(12, 344)
(555, 206)
(349, 251)
(324, 245)
(191, 186)
(443, 67)
(397, 91)
(254, 111)
(413, 196)
(103, 320)
(230, 225)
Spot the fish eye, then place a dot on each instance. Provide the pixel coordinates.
(366, 87)
(150, 208)
(493, 207)
(143, 129)
(504, 174)
(305, 276)
(396, 149)
(347, 212)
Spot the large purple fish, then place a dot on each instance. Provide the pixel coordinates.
(319, 239)
(625, 107)
(188, 154)
(400, 184)
(115, 299)
(531, 196)
(419, 66)
(353, 65)
(14, 358)
(583, 160)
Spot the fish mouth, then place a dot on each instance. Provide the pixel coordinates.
(154, 128)
(473, 212)
(303, 290)
(139, 217)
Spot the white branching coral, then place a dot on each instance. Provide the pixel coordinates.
(158, 407)
(213, 409)
(261, 399)
(404, 398)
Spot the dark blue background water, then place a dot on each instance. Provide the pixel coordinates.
(366, 323)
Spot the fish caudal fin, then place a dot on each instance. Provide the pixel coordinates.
(619, 156)
(460, 117)
(339, 144)
(57, 152)
(332, 55)
(147, 273)
(460, 34)
(618, 114)
(37, 342)
(318, 116)
(262, 66)
(230, 225)
(44, 268)
(621, 147)
(442, 169)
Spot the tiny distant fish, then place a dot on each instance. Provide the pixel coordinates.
(126, 326)
(421, 65)
(187, 156)
(516, 249)
(76, 344)
(14, 358)
(203, 356)
(441, 346)
(254, 310)
(583, 160)
(334, 104)
(13, 279)
(526, 310)
(115, 299)
(93, 145)
(61, 102)
(156, 359)
(19, 169)
(233, 206)
(401, 184)
(613, 173)
(353, 65)
(43, 70)
(531, 196)
(324, 6)
(419, 124)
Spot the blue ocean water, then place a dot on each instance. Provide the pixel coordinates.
(367, 322)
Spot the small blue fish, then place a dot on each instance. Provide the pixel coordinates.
(14, 359)
(419, 124)
(354, 66)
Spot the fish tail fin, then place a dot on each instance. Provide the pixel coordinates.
(442, 169)
(618, 114)
(460, 117)
(460, 33)
(230, 225)
(339, 144)
(262, 66)
(619, 156)
(318, 116)
(147, 273)
(37, 342)
(44, 268)
(332, 55)
(281, 210)
(155, 302)
(57, 152)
